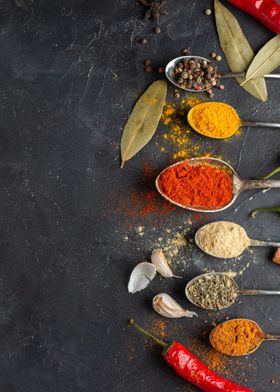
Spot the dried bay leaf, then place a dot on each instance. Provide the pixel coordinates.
(265, 61)
(143, 120)
(237, 50)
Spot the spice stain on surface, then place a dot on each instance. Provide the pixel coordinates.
(179, 137)
(143, 205)
(227, 366)
(178, 134)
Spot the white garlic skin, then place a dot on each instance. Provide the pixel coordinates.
(162, 267)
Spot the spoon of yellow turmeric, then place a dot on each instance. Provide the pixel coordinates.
(239, 337)
(219, 120)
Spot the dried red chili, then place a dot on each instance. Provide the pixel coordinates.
(202, 186)
(266, 11)
(191, 369)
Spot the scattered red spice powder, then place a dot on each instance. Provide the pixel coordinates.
(143, 204)
(197, 185)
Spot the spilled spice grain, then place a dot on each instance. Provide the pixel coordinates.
(143, 204)
(179, 135)
(158, 328)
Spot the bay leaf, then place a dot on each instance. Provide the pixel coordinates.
(265, 61)
(237, 50)
(143, 120)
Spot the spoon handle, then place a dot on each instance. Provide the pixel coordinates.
(242, 75)
(249, 123)
(258, 292)
(268, 336)
(264, 243)
(258, 184)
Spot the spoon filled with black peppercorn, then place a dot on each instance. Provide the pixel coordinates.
(197, 74)
(217, 290)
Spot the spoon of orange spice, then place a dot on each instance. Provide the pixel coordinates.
(239, 337)
(219, 120)
(205, 184)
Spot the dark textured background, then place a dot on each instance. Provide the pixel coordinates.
(70, 72)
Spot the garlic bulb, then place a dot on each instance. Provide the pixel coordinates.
(162, 267)
(166, 306)
(141, 276)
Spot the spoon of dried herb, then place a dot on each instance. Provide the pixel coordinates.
(217, 290)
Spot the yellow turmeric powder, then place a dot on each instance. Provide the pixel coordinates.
(236, 337)
(214, 119)
(178, 135)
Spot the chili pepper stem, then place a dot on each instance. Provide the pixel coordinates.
(144, 332)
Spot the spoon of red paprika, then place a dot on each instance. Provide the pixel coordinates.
(190, 368)
(239, 337)
(205, 184)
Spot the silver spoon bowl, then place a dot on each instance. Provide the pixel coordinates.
(170, 74)
(239, 185)
(238, 291)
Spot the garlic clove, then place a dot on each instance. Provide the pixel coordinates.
(162, 267)
(166, 306)
(141, 276)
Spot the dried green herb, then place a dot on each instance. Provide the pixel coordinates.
(213, 291)
(143, 120)
(269, 209)
(237, 50)
(265, 61)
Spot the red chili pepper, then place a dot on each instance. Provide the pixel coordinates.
(191, 369)
(266, 11)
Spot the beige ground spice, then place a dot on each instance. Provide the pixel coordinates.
(223, 239)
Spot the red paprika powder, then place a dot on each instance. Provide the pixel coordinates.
(203, 186)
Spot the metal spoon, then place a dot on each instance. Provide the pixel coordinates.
(237, 290)
(264, 336)
(252, 243)
(243, 123)
(169, 72)
(239, 184)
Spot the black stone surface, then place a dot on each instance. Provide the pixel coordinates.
(70, 72)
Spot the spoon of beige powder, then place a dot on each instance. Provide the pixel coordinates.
(225, 239)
